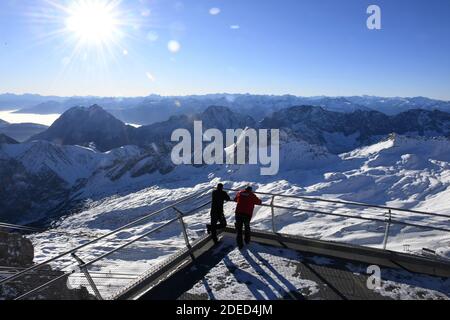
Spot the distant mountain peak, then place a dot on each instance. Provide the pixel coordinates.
(84, 126)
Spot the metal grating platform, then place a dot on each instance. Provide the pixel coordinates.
(270, 271)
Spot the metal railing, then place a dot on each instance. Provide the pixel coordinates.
(8, 227)
(80, 266)
(390, 214)
(357, 204)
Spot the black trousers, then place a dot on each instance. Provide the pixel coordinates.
(243, 222)
(218, 222)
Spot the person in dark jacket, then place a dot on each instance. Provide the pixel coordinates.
(246, 202)
(218, 221)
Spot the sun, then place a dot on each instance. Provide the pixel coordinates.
(94, 22)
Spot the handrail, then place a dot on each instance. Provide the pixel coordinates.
(357, 217)
(107, 254)
(37, 266)
(18, 227)
(83, 266)
(197, 196)
(26, 294)
(8, 226)
(346, 202)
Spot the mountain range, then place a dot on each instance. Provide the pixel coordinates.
(342, 132)
(337, 132)
(94, 127)
(155, 108)
(89, 154)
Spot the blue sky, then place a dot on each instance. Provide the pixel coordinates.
(301, 47)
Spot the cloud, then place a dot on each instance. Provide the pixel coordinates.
(214, 11)
(235, 27)
(174, 46)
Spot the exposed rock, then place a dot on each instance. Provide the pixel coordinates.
(15, 250)
(16, 253)
(84, 126)
(343, 132)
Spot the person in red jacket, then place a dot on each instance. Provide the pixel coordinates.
(246, 202)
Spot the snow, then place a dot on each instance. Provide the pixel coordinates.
(403, 285)
(411, 173)
(261, 273)
(267, 273)
(69, 162)
(379, 174)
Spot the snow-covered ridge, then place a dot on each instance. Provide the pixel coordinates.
(353, 179)
(432, 147)
(337, 132)
(131, 167)
(407, 172)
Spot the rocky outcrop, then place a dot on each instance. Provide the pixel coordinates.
(15, 250)
(343, 132)
(17, 253)
(87, 127)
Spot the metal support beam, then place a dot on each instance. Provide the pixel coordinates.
(386, 233)
(183, 226)
(88, 276)
(27, 294)
(272, 208)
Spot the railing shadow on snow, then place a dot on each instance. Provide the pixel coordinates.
(90, 268)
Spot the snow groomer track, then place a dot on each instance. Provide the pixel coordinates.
(276, 265)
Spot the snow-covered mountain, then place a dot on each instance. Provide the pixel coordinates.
(343, 132)
(338, 132)
(82, 189)
(220, 118)
(155, 108)
(392, 106)
(95, 127)
(83, 126)
(42, 180)
(9, 101)
(407, 172)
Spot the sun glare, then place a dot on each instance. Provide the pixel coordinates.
(93, 21)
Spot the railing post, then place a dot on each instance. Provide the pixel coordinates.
(88, 276)
(183, 226)
(386, 233)
(273, 214)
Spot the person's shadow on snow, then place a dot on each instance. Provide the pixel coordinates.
(255, 285)
(291, 293)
